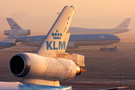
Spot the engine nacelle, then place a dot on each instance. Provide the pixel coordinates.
(20, 32)
(33, 66)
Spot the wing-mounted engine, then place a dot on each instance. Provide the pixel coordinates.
(20, 32)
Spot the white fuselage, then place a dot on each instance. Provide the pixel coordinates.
(77, 30)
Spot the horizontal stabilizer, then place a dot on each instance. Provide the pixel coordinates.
(76, 58)
(13, 35)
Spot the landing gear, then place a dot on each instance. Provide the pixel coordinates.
(109, 49)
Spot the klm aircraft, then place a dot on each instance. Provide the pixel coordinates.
(11, 39)
(75, 40)
(43, 70)
(21, 32)
(122, 27)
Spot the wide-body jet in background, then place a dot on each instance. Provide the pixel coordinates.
(21, 32)
(122, 27)
(75, 40)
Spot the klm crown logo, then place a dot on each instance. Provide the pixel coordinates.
(57, 35)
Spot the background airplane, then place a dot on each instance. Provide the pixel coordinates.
(21, 32)
(75, 40)
(11, 39)
(50, 63)
(122, 27)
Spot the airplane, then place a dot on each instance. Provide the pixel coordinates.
(122, 27)
(11, 39)
(75, 40)
(43, 70)
(21, 32)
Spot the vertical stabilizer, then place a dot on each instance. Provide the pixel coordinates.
(124, 24)
(12, 23)
(13, 35)
(57, 38)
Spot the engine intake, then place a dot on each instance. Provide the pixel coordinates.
(19, 65)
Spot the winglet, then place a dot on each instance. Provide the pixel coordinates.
(124, 24)
(12, 23)
(57, 38)
(13, 35)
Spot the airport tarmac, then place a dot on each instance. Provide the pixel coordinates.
(104, 69)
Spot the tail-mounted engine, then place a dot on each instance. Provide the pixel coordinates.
(33, 66)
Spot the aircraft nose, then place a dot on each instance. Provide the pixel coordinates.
(117, 38)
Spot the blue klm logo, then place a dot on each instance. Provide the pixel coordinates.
(56, 35)
(51, 45)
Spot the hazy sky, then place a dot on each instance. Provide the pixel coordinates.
(88, 14)
(85, 8)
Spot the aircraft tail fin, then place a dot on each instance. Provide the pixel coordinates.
(12, 23)
(13, 35)
(124, 24)
(58, 36)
